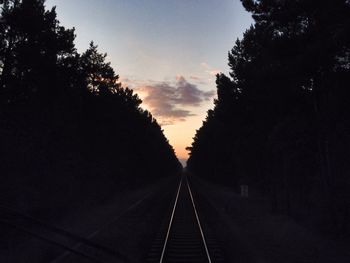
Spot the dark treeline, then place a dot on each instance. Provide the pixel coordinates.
(281, 121)
(68, 130)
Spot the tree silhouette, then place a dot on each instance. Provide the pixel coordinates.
(282, 125)
(33, 42)
(69, 132)
(99, 76)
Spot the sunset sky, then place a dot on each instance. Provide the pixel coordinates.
(168, 51)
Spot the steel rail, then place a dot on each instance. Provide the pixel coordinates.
(170, 223)
(199, 223)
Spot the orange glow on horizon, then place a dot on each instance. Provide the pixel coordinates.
(181, 152)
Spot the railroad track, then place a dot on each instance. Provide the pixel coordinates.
(181, 238)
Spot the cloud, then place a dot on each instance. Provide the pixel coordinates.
(170, 102)
(210, 70)
(214, 72)
(205, 65)
(195, 77)
(201, 80)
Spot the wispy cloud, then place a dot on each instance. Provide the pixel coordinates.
(210, 70)
(171, 101)
(193, 77)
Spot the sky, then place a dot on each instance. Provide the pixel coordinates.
(168, 51)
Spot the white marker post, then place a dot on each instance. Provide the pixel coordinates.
(244, 191)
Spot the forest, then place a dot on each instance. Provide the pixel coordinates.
(70, 133)
(281, 120)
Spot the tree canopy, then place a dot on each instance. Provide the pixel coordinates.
(281, 120)
(69, 130)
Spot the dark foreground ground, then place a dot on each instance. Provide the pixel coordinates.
(249, 232)
(124, 229)
(125, 225)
